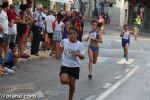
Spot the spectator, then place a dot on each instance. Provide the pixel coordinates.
(101, 21)
(12, 29)
(4, 24)
(37, 29)
(49, 29)
(23, 30)
(11, 59)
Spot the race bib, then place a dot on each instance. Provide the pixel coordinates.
(93, 35)
(68, 52)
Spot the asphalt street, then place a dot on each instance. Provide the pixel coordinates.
(112, 78)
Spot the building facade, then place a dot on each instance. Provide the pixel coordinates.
(117, 10)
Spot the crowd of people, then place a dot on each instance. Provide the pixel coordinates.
(44, 29)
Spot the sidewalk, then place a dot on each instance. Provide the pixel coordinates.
(42, 54)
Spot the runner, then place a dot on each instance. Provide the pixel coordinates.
(72, 51)
(125, 34)
(137, 25)
(95, 37)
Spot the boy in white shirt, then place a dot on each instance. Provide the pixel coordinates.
(73, 50)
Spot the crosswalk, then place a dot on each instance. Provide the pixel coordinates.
(123, 61)
(119, 61)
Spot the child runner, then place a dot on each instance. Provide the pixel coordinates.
(73, 50)
(125, 34)
(95, 37)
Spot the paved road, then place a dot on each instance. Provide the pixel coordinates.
(112, 79)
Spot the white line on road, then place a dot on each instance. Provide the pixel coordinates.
(91, 97)
(101, 59)
(115, 86)
(118, 77)
(127, 70)
(107, 85)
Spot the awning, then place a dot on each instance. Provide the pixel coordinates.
(64, 1)
(107, 1)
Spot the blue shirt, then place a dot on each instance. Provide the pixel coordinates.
(9, 56)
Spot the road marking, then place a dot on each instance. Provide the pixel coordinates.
(115, 86)
(119, 50)
(107, 85)
(127, 70)
(101, 59)
(118, 77)
(20, 86)
(91, 97)
(122, 61)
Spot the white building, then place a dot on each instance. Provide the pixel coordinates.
(119, 13)
(117, 9)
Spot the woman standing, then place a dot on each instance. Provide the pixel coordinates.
(23, 30)
(93, 50)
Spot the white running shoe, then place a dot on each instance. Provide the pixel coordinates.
(8, 70)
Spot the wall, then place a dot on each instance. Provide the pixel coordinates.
(118, 13)
(114, 14)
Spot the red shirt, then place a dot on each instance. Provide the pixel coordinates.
(11, 15)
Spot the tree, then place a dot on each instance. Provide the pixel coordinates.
(17, 1)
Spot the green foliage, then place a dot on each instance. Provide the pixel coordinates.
(17, 1)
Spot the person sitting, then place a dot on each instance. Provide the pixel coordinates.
(11, 58)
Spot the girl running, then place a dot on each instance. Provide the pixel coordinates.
(95, 37)
(72, 51)
(125, 34)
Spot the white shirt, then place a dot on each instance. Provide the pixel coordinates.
(126, 35)
(58, 26)
(68, 59)
(49, 21)
(13, 29)
(4, 21)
